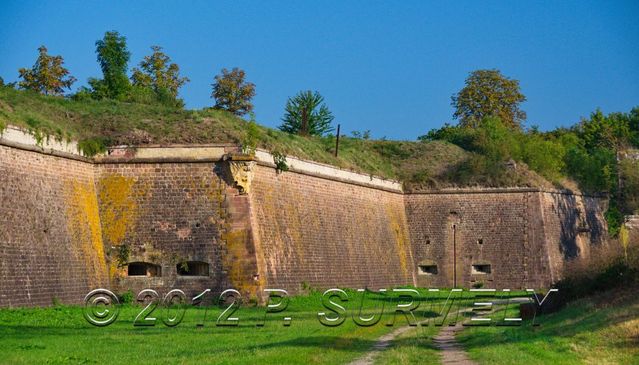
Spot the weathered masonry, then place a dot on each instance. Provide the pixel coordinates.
(198, 217)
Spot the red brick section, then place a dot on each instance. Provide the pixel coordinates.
(524, 236)
(45, 240)
(176, 213)
(323, 233)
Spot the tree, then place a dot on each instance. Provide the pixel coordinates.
(113, 56)
(306, 114)
(47, 76)
(157, 73)
(489, 93)
(231, 92)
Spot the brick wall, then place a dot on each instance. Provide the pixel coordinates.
(50, 234)
(327, 233)
(69, 225)
(525, 236)
(170, 214)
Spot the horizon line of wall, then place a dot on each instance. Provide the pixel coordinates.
(173, 153)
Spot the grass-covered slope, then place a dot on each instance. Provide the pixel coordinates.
(602, 329)
(102, 123)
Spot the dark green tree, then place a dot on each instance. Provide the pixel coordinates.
(306, 114)
(489, 93)
(47, 76)
(231, 92)
(157, 73)
(113, 56)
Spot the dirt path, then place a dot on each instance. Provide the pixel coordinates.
(382, 344)
(451, 351)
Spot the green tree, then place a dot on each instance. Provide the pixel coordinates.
(157, 73)
(231, 92)
(489, 93)
(47, 76)
(606, 131)
(113, 56)
(306, 114)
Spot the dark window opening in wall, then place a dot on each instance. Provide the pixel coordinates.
(143, 269)
(193, 268)
(481, 269)
(480, 241)
(427, 269)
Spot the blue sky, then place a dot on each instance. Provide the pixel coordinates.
(390, 66)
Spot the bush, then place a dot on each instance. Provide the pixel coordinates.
(604, 268)
(126, 297)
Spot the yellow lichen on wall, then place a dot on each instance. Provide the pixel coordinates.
(119, 207)
(83, 224)
(119, 198)
(397, 222)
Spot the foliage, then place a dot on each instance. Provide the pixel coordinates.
(489, 93)
(306, 114)
(253, 136)
(614, 218)
(113, 56)
(126, 297)
(158, 74)
(92, 146)
(448, 157)
(629, 171)
(232, 93)
(624, 239)
(47, 76)
(496, 144)
(363, 135)
(123, 253)
(279, 159)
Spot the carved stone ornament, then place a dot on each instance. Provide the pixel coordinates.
(242, 173)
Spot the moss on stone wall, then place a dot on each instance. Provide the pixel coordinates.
(83, 224)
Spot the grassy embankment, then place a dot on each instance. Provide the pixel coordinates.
(97, 124)
(60, 334)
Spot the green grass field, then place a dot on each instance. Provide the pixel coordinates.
(60, 335)
(603, 329)
(599, 330)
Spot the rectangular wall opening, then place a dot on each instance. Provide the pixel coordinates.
(481, 269)
(193, 268)
(143, 269)
(427, 269)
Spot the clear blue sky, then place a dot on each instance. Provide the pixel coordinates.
(390, 66)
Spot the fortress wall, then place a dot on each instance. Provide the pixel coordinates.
(458, 229)
(70, 224)
(170, 214)
(572, 224)
(322, 232)
(526, 235)
(50, 234)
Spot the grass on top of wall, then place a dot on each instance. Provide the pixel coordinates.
(100, 123)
